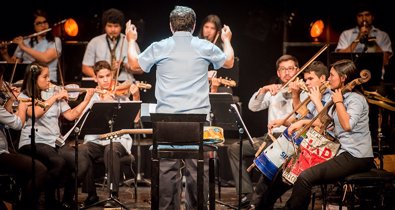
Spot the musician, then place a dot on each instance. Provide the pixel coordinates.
(47, 126)
(351, 127)
(211, 30)
(315, 75)
(44, 47)
(16, 163)
(110, 46)
(94, 148)
(279, 105)
(365, 37)
(181, 87)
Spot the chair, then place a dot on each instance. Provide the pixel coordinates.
(369, 186)
(369, 189)
(179, 136)
(10, 191)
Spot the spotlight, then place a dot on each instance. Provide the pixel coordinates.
(316, 29)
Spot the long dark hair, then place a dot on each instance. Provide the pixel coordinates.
(49, 36)
(27, 80)
(218, 27)
(345, 68)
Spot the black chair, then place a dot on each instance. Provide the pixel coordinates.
(370, 187)
(179, 136)
(367, 190)
(10, 191)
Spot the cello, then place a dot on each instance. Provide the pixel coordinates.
(317, 145)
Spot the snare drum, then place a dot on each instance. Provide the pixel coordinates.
(213, 135)
(272, 158)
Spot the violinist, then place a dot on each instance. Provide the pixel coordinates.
(44, 48)
(315, 75)
(278, 105)
(16, 163)
(96, 148)
(47, 127)
(351, 127)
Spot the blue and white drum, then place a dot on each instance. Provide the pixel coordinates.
(274, 156)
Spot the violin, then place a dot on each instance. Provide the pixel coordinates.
(225, 81)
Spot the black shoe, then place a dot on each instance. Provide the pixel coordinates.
(245, 202)
(91, 199)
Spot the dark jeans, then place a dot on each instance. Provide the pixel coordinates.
(96, 151)
(327, 172)
(22, 166)
(56, 165)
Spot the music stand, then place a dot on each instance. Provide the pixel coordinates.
(224, 113)
(105, 117)
(220, 115)
(370, 61)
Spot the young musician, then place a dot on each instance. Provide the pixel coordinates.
(278, 105)
(97, 148)
(350, 114)
(44, 47)
(47, 113)
(315, 75)
(16, 163)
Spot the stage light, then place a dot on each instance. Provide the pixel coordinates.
(66, 28)
(71, 27)
(316, 29)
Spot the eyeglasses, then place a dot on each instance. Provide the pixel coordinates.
(291, 68)
(41, 23)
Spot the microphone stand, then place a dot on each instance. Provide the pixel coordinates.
(32, 132)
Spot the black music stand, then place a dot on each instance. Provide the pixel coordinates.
(105, 117)
(225, 114)
(370, 61)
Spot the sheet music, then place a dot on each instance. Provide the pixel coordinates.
(242, 122)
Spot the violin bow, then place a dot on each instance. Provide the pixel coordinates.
(305, 66)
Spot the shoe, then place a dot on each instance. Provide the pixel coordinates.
(91, 199)
(245, 202)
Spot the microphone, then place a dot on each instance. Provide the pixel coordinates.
(34, 68)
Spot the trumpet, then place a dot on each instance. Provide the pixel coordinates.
(5, 43)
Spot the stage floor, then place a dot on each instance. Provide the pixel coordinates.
(127, 197)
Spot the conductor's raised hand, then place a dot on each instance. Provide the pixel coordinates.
(131, 32)
(226, 34)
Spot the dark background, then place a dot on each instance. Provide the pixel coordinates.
(259, 28)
